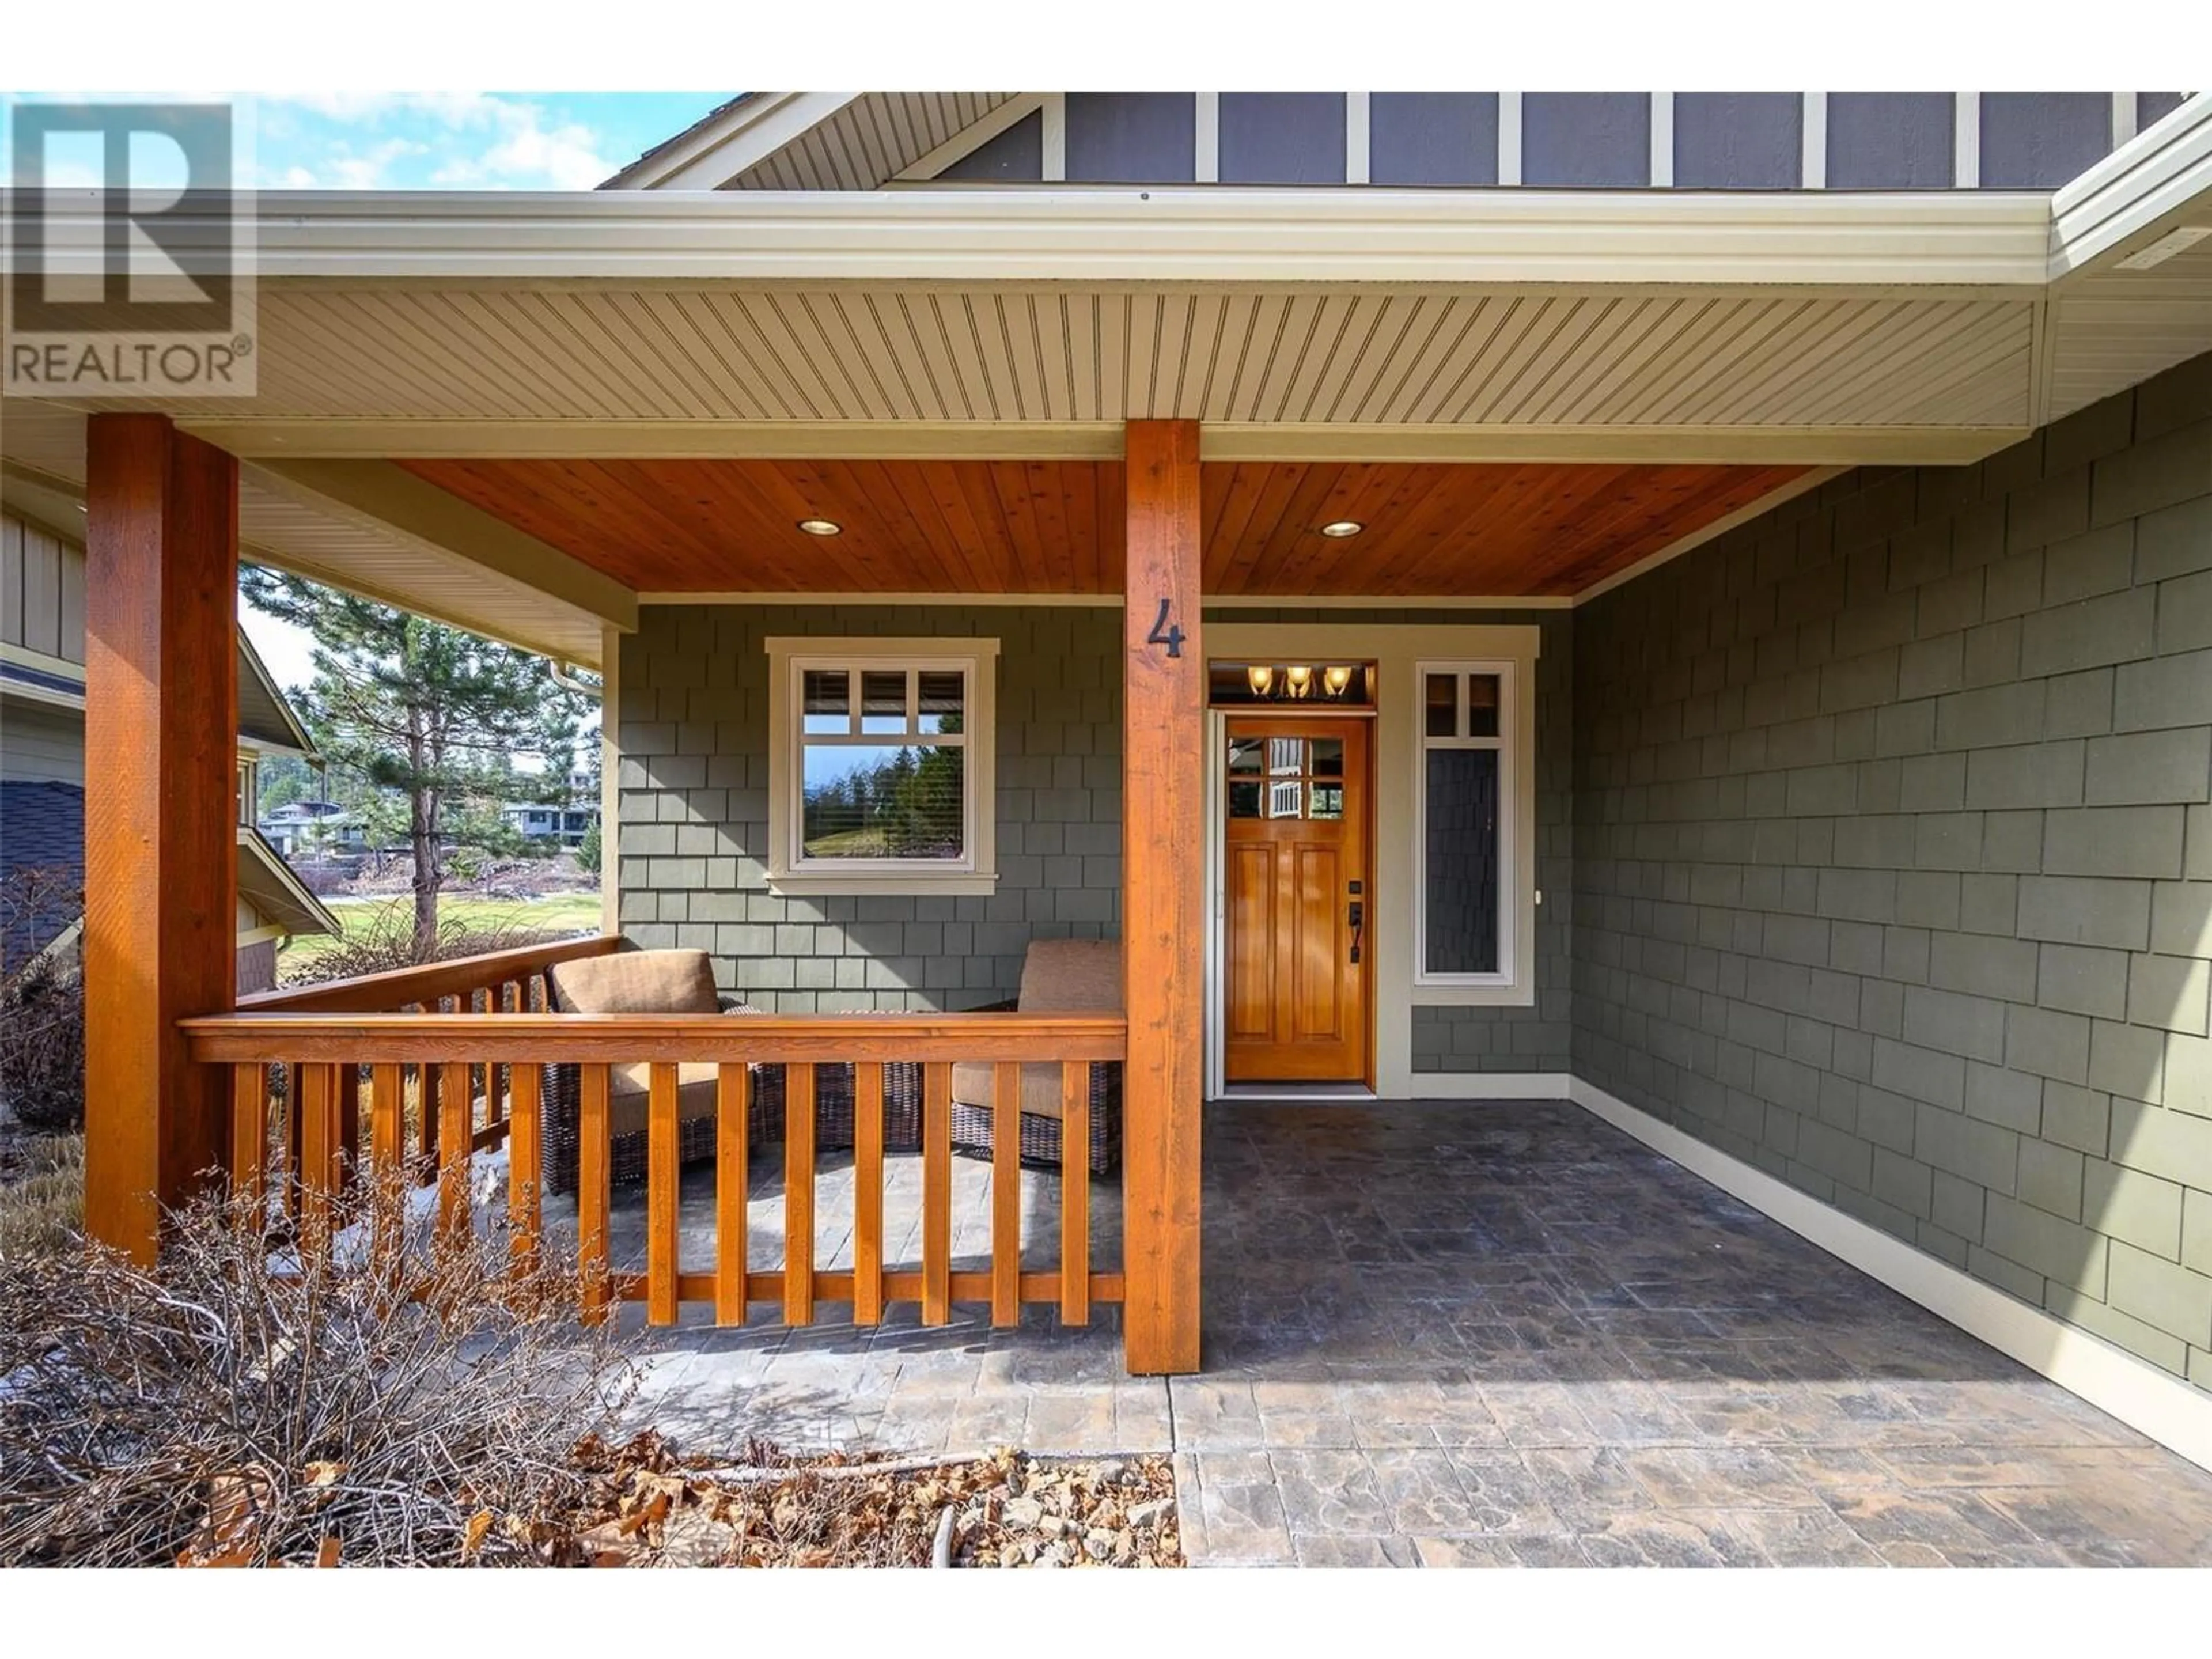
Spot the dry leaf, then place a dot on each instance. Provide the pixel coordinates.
(327, 1555)
(474, 1534)
(324, 1473)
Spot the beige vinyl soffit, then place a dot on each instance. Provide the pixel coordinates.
(1185, 233)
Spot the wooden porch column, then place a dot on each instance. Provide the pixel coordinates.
(161, 858)
(1163, 926)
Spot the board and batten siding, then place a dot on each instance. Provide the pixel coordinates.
(1893, 857)
(1583, 140)
(41, 591)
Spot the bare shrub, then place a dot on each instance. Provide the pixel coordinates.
(245, 1407)
(384, 940)
(41, 1001)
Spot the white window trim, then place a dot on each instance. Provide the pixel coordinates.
(1512, 875)
(789, 657)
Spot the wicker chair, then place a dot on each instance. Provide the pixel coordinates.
(682, 981)
(1065, 977)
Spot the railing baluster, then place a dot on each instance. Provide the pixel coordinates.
(249, 1139)
(388, 1142)
(318, 1116)
(292, 1123)
(1074, 1193)
(937, 1193)
(662, 1194)
(1006, 1193)
(732, 1106)
(868, 1193)
(349, 1126)
(593, 1196)
(456, 1112)
(799, 1194)
(525, 1167)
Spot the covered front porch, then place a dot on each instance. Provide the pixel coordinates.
(1486, 1334)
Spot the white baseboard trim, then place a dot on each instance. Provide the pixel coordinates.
(2155, 1402)
(1486, 1086)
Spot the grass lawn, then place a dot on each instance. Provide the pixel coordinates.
(560, 913)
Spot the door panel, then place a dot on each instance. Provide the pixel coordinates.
(1295, 861)
(1251, 964)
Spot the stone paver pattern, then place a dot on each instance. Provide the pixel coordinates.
(1468, 1334)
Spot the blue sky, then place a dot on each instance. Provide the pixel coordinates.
(457, 140)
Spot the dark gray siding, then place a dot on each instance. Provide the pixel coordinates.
(1891, 140)
(2039, 140)
(1132, 138)
(1433, 138)
(1015, 156)
(1586, 140)
(1739, 140)
(1282, 138)
(695, 808)
(1894, 857)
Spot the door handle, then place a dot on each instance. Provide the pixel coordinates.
(1358, 920)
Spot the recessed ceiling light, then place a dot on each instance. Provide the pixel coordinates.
(1342, 528)
(820, 526)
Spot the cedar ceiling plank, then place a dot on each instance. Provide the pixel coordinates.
(1079, 485)
(978, 484)
(1452, 512)
(1010, 483)
(1644, 513)
(912, 532)
(1745, 486)
(931, 490)
(1380, 496)
(779, 495)
(1230, 566)
(700, 507)
(741, 547)
(1297, 545)
(1041, 480)
(1236, 486)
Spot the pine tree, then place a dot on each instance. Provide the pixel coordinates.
(425, 710)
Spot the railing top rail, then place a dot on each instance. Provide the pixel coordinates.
(398, 986)
(528, 1039)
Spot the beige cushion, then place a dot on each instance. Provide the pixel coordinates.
(636, 982)
(1059, 976)
(629, 1093)
(1072, 977)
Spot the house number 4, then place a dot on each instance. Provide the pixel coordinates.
(1165, 633)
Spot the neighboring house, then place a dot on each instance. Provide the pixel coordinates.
(1698, 606)
(539, 821)
(314, 829)
(42, 749)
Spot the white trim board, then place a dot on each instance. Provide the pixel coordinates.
(2155, 1402)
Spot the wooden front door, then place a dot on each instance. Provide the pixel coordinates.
(1299, 893)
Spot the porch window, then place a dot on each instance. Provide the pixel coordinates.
(880, 772)
(1466, 881)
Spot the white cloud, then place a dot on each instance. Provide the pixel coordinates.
(486, 142)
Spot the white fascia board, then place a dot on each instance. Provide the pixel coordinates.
(1982, 240)
(726, 144)
(2160, 171)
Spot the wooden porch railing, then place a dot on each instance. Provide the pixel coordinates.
(471, 1079)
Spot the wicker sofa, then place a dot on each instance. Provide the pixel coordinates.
(1060, 976)
(632, 981)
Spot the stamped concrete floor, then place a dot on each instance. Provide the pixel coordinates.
(1459, 1334)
